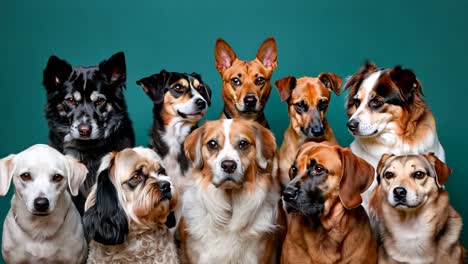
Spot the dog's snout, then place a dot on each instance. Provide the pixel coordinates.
(229, 166)
(290, 194)
(201, 104)
(352, 124)
(250, 100)
(85, 130)
(41, 204)
(399, 193)
(164, 186)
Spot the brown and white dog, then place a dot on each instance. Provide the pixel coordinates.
(416, 223)
(307, 100)
(246, 84)
(387, 114)
(327, 223)
(130, 210)
(231, 209)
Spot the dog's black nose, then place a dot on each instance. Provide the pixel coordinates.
(399, 193)
(290, 194)
(85, 130)
(250, 101)
(41, 204)
(352, 125)
(164, 186)
(229, 166)
(201, 104)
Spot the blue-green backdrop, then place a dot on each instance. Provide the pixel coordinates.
(431, 37)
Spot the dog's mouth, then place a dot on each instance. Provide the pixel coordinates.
(228, 184)
(404, 205)
(195, 115)
(357, 134)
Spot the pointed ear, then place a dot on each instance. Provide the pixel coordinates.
(331, 81)
(114, 69)
(267, 53)
(356, 78)
(77, 173)
(381, 164)
(193, 147)
(56, 73)
(155, 86)
(105, 222)
(357, 176)
(406, 82)
(265, 145)
(443, 171)
(6, 174)
(285, 86)
(224, 55)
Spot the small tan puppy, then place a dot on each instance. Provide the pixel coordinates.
(415, 220)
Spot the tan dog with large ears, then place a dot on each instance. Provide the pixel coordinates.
(307, 100)
(246, 84)
(415, 221)
(327, 223)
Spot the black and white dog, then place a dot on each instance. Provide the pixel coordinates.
(180, 101)
(86, 112)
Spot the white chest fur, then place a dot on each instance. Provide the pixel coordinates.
(174, 137)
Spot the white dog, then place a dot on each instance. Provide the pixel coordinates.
(43, 225)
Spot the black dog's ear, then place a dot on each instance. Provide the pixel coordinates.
(105, 222)
(406, 81)
(56, 73)
(206, 91)
(114, 69)
(155, 86)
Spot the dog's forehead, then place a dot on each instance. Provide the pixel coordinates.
(242, 69)
(40, 156)
(407, 164)
(322, 154)
(309, 88)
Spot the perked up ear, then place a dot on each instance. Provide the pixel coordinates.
(368, 67)
(224, 55)
(76, 175)
(154, 86)
(193, 147)
(406, 82)
(6, 174)
(331, 81)
(358, 175)
(114, 69)
(268, 54)
(443, 171)
(265, 145)
(56, 73)
(285, 86)
(105, 222)
(381, 164)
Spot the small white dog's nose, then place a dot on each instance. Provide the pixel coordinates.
(41, 204)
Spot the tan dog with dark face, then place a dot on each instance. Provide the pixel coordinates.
(246, 84)
(327, 223)
(307, 100)
(415, 220)
(130, 210)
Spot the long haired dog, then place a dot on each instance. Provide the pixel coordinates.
(387, 114)
(246, 84)
(180, 101)
(130, 210)
(231, 208)
(86, 112)
(327, 223)
(307, 100)
(43, 225)
(416, 223)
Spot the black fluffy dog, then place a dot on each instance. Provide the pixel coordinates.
(86, 112)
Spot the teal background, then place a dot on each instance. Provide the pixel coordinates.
(430, 37)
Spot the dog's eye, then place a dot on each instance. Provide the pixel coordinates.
(70, 101)
(235, 81)
(161, 171)
(99, 101)
(292, 172)
(136, 179)
(179, 88)
(319, 170)
(375, 103)
(356, 102)
(389, 175)
(243, 144)
(259, 81)
(300, 107)
(25, 176)
(57, 178)
(212, 144)
(419, 175)
(322, 105)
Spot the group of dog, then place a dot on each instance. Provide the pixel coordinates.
(222, 192)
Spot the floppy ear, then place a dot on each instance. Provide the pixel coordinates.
(443, 171)
(267, 53)
(382, 161)
(265, 145)
(105, 222)
(358, 175)
(114, 69)
(356, 78)
(285, 86)
(406, 81)
(76, 175)
(193, 147)
(331, 81)
(6, 174)
(155, 86)
(56, 73)
(206, 91)
(224, 55)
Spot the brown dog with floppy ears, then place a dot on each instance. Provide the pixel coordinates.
(327, 223)
(246, 84)
(307, 100)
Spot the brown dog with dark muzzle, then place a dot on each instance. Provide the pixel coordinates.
(307, 100)
(327, 223)
(246, 84)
